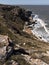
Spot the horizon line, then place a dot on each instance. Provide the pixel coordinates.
(24, 4)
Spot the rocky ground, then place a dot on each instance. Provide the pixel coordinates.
(18, 46)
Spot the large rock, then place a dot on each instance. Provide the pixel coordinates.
(3, 45)
(3, 40)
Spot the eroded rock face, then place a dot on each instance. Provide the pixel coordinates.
(3, 45)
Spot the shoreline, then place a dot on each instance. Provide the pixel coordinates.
(37, 28)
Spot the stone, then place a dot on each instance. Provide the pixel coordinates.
(3, 45)
(3, 40)
(24, 43)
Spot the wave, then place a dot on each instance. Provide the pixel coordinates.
(40, 30)
(42, 23)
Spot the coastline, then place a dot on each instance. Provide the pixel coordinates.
(37, 28)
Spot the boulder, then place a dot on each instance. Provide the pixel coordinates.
(5, 48)
(4, 42)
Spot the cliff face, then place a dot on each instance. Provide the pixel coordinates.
(23, 47)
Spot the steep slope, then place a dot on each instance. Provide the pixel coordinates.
(12, 20)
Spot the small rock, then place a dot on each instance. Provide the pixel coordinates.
(47, 52)
(24, 43)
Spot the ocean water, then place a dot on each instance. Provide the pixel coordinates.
(41, 29)
(41, 10)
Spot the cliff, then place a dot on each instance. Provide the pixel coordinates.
(23, 48)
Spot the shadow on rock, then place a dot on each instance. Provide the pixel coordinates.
(16, 52)
(11, 51)
(20, 51)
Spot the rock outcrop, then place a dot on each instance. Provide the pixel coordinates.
(6, 47)
(3, 45)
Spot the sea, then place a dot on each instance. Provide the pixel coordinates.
(41, 29)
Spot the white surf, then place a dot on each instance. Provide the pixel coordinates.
(40, 30)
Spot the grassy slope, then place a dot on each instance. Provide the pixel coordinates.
(11, 24)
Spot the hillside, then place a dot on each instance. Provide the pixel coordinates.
(28, 50)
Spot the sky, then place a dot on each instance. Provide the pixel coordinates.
(25, 2)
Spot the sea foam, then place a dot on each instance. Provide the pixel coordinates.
(40, 30)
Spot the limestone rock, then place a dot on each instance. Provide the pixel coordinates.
(3, 46)
(3, 40)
